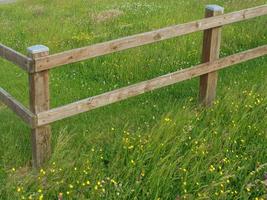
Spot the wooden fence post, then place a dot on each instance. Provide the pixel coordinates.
(39, 102)
(210, 52)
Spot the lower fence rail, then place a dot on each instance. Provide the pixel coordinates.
(24, 113)
(15, 57)
(91, 103)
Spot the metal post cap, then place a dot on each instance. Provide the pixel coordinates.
(215, 8)
(37, 49)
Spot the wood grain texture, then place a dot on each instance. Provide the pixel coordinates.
(15, 57)
(39, 102)
(210, 52)
(91, 103)
(105, 48)
(25, 114)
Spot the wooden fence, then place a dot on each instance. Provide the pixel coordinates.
(38, 63)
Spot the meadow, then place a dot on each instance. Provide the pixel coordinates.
(160, 145)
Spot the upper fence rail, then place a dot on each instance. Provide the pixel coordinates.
(51, 61)
(117, 45)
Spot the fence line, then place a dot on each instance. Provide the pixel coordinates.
(38, 62)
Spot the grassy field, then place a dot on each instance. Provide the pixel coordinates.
(160, 145)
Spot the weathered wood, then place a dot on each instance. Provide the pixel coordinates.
(15, 57)
(210, 52)
(25, 114)
(39, 102)
(76, 55)
(91, 103)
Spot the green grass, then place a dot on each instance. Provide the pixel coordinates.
(160, 145)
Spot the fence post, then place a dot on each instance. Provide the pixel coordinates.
(39, 101)
(210, 52)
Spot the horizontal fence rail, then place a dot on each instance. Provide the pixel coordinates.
(105, 48)
(15, 57)
(140, 88)
(24, 113)
(39, 62)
